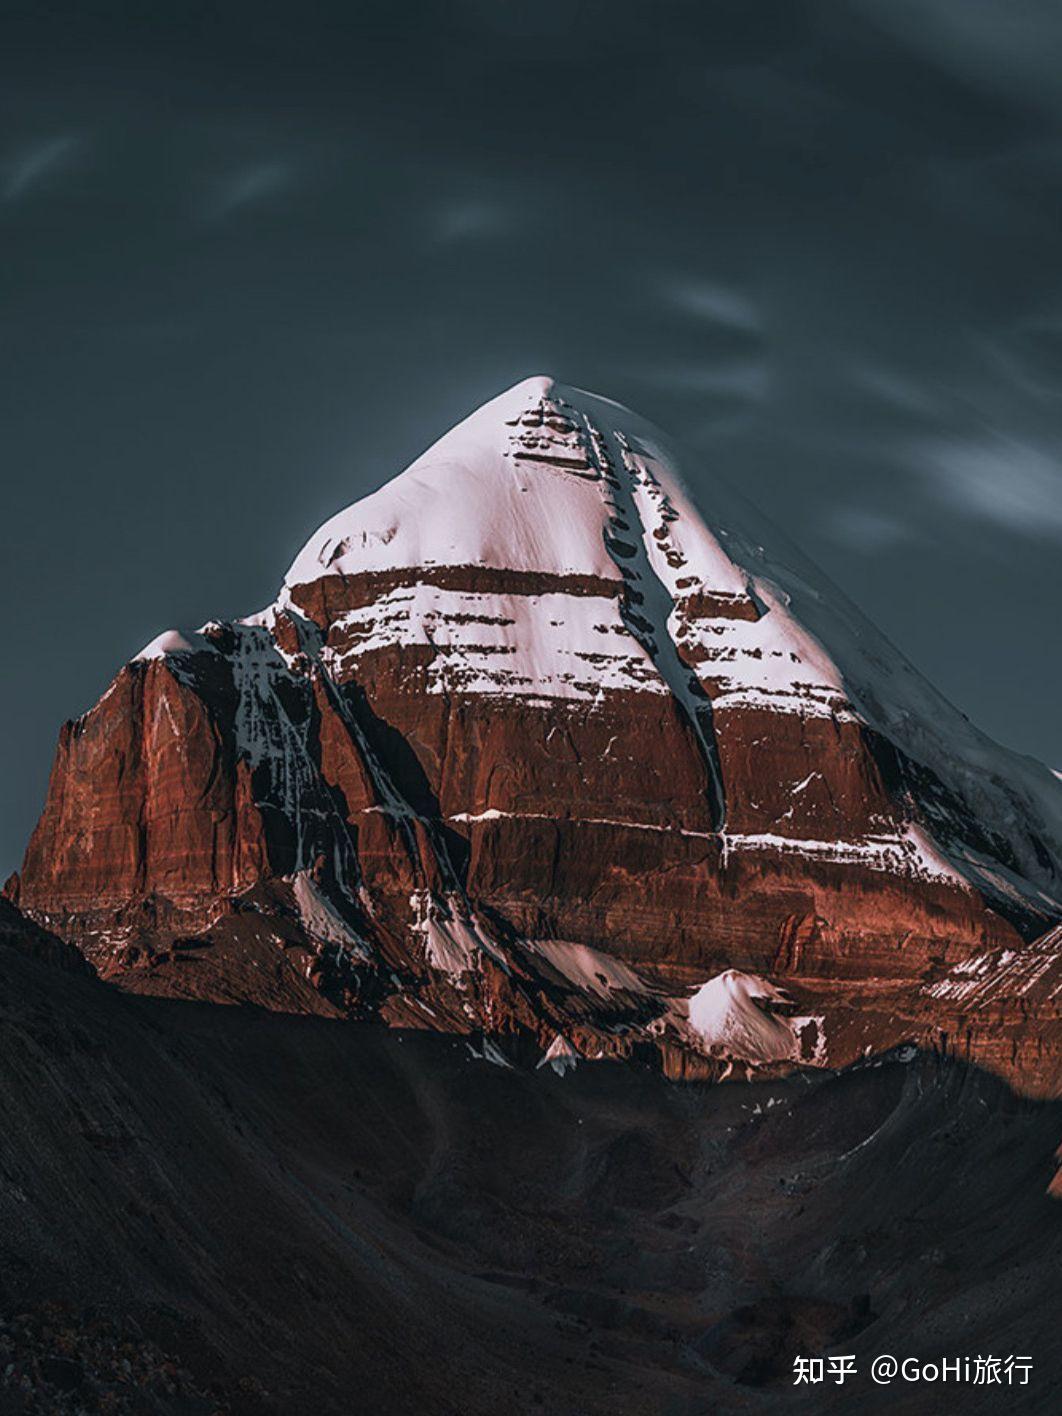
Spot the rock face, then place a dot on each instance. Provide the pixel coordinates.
(526, 746)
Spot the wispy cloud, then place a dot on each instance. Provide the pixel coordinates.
(35, 162)
(469, 221)
(717, 303)
(866, 529)
(246, 186)
(1012, 485)
(900, 393)
(1028, 357)
(1008, 45)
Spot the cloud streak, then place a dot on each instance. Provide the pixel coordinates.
(865, 529)
(1011, 485)
(716, 303)
(469, 221)
(35, 163)
(245, 187)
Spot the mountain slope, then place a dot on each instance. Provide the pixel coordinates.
(210, 1209)
(527, 746)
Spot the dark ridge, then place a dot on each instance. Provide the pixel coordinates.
(270, 1214)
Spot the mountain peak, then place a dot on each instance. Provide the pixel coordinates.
(516, 485)
(528, 743)
(534, 386)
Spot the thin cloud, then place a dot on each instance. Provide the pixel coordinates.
(901, 394)
(1010, 46)
(717, 303)
(246, 187)
(1028, 360)
(865, 529)
(469, 221)
(35, 163)
(1011, 485)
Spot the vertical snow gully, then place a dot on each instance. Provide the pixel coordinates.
(647, 603)
(394, 804)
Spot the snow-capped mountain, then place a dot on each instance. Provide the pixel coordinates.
(529, 746)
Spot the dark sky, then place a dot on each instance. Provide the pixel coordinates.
(256, 257)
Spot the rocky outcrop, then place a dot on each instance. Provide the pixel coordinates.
(147, 799)
(526, 746)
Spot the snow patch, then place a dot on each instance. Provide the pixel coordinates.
(737, 1016)
(909, 852)
(321, 919)
(560, 1055)
(172, 641)
(452, 939)
(491, 1053)
(554, 645)
(1000, 977)
(588, 969)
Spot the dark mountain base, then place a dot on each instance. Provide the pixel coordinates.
(215, 1209)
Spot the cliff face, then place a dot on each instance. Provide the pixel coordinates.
(526, 747)
(147, 798)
